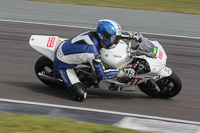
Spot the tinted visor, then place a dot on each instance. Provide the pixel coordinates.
(114, 39)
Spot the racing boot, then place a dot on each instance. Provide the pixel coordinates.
(78, 92)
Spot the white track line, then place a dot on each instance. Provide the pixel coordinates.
(167, 35)
(101, 111)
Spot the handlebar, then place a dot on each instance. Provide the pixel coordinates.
(139, 48)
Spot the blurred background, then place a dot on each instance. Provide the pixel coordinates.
(174, 23)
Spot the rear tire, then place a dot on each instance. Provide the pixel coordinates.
(45, 65)
(169, 86)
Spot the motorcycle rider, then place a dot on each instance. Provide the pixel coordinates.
(84, 48)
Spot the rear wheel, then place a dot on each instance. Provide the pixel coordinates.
(44, 66)
(169, 87)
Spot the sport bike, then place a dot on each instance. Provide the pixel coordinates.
(146, 57)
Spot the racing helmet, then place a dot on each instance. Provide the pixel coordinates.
(109, 32)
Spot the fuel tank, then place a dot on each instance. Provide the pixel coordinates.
(113, 58)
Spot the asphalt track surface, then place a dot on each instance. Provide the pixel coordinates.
(18, 80)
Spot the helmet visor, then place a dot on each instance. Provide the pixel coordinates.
(114, 39)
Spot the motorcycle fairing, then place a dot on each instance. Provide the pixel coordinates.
(165, 72)
(46, 45)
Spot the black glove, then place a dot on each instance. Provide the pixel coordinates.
(137, 36)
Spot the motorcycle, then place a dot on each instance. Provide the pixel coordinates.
(147, 58)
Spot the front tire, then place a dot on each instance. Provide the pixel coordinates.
(169, 87)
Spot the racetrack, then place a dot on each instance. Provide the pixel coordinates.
(18, 80)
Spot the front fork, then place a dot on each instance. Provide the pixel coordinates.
(154, 85)
(165, 72)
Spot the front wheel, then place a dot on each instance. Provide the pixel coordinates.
(169, 87)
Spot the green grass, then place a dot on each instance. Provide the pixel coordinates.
(12, 123)
(180, 6)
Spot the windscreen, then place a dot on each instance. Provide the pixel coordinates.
(147, 48)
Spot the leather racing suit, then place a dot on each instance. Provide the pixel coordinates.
(79, 49)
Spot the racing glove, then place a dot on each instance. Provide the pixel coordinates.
(137, 36)
(130, 35)
(126, 72)
(129, 72)
(126, 75)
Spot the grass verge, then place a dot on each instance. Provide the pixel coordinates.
(180, 6)
(13, 123)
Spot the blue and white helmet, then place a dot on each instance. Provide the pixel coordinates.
(109, 32)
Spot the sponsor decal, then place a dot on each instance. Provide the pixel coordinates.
(60, 54)
(32, 39)
(63, 76)
(155, 50)
(160, 54)
(154, 69)
(106, 55)
(134, 81)
(50, 42)
(117, 56)
(167, 71)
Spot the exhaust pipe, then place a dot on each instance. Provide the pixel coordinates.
(44, 76)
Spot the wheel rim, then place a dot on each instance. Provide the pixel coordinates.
(169, 86)
(166, 85)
